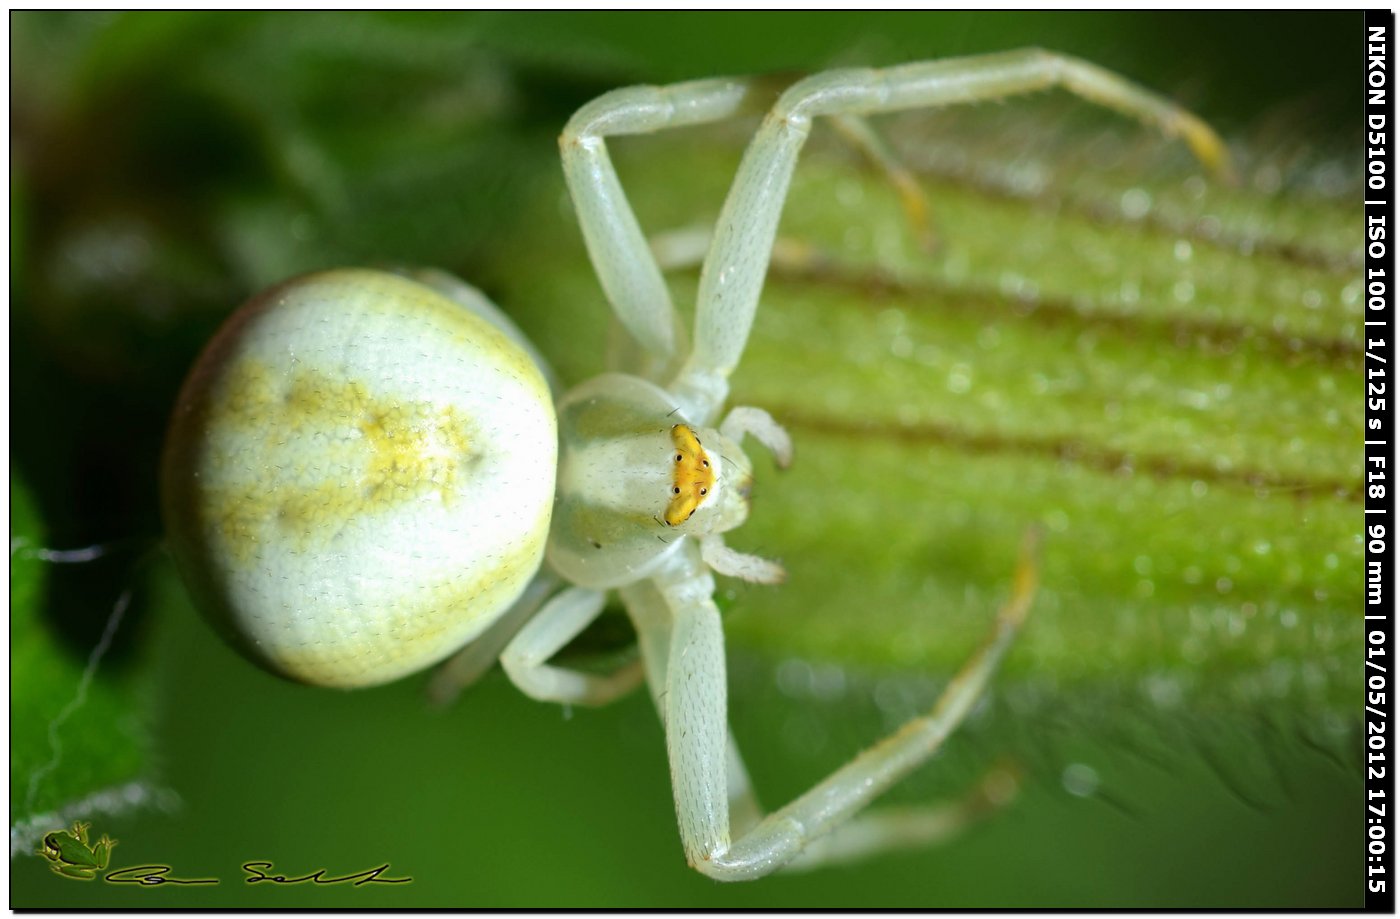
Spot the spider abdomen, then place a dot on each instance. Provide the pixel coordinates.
(359, 476)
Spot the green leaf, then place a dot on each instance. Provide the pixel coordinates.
(79, 743)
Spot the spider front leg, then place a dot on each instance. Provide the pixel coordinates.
(687, 635)
(734, 270)
(628, 267)
(625, 265)
(651, 617)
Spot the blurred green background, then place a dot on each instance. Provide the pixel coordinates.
(1160, 370)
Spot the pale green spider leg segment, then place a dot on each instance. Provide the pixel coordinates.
(630, 276)
(651, 617)
(628, 269)
(560, 621)
(758, 424)
(734, 270)
(859, 133)
(686, 247)
(874, 832)
(888, 828)
(701, 753)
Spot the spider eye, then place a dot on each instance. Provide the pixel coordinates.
(692, 478)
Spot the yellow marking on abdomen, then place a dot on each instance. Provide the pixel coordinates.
(322, 451)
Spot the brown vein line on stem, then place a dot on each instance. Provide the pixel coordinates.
(1290, 252)
(1106, 214)
(875, 285)
(1091, 456)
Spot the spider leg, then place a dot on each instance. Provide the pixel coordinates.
(758, 424)
(734, 269)
(858, 133)
(628, 272)
(694, 707)
(652, 619)
(684, 248)
(560, 621)
(886, 828)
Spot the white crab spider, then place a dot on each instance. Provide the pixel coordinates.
(364, 473)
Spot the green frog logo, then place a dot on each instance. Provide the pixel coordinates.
(71, 856)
